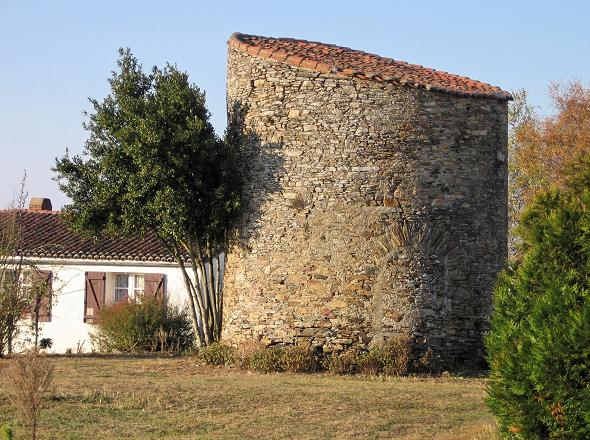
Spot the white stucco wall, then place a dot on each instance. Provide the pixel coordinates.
(67, 329)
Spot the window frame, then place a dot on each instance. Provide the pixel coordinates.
(133, 291)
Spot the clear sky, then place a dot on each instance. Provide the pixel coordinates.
(55, 54)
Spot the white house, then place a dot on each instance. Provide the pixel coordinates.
(85, 276)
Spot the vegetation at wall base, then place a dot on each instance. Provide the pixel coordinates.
(390, 358)
(539, 343)
(217, 353)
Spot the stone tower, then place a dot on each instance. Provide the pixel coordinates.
(376, 199)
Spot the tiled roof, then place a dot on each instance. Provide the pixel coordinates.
(343, 61)
(45, 234)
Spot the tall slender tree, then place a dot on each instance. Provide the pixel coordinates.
(153, 164)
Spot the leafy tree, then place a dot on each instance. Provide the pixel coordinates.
(540, 148)
(539, 343)
(520, 113)
(153, 165)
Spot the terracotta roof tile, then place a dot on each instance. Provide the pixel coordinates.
(45, 234)
(349, 62)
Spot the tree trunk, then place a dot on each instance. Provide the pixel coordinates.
(36, 325)
(205, 292)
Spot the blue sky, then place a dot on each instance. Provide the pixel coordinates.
(55, 54)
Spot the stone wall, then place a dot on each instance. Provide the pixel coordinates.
(372, 209)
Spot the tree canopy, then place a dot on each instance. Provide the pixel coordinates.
(153, 164)
(542, 147)
(539, 343)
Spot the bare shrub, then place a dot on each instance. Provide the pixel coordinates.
(30, 375)
(428, 362)
(299, 359)
(343, 363)
(268, 360)
(245, 351)
(391, 358)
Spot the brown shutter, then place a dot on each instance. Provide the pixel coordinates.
(29, 311)
(153, 285)
(43, 287)
(94, 298)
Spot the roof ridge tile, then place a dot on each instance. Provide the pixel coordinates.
(344, 61)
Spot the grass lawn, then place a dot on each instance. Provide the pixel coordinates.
(152, 398)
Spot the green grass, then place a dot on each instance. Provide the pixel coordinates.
(152, 398)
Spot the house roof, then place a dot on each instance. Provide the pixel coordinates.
(45, 234)
(344, 61)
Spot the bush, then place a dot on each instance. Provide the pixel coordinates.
(45, 343)
(268, 360)
(299, 359)
(539, 343)
(344, 363)
(245, 351)
(6, 432)
(217, 353)
(146, 325)
(391, 358)
(429, 362)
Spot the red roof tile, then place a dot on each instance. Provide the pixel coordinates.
(45, 234)
(349, 62)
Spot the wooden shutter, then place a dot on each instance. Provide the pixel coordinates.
(42, 286)
(154, 285)
(94, 299)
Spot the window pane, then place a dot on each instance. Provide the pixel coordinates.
(120, 294)
(25, 286)
(138, 284)
(26, 278)
(122, 281)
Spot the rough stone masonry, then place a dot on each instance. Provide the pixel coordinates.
(376, 200)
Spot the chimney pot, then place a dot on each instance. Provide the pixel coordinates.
(40, 204)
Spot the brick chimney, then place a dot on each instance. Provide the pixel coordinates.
(40, 204)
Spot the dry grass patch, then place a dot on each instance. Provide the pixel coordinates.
(152, 398)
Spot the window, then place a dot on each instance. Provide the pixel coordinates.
(34, 292)
(26, 283)
(128, 286)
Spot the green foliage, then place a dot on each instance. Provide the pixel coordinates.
(217, 353)
(539, 343)
(45, 343)
(152, 160)
(268, 360)
(152, 164)
(146, 325)
(7, 432)
(292, 358)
